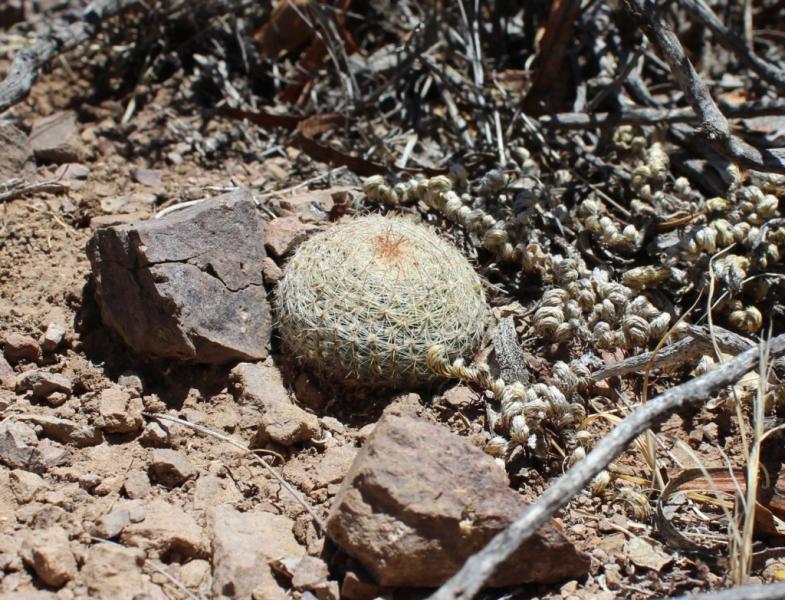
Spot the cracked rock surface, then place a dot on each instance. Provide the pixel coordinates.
(188, 286)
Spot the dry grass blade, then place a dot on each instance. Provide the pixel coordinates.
(741, 556)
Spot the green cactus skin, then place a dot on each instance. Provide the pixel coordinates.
(362, 302)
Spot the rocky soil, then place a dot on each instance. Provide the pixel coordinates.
(140, 364)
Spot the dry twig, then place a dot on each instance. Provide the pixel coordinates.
(655, 116)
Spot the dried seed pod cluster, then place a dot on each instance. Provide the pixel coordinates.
(364, 301)
(523, 415)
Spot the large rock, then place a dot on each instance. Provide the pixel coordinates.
(244, 545)
(188, 286)
(419, 500)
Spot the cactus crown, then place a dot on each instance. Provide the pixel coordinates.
(363, 302)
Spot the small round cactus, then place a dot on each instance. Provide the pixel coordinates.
(364, 301)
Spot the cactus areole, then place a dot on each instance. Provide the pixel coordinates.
(362, 302)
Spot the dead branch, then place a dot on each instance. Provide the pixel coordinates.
(773, 591)
(477, 569)
(727, 38)
(16, 188)
(28, 62)
(655, 116)
(699, 342)
(713, 125)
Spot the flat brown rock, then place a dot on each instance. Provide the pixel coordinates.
(56, 138)
(188, 286)
(166, 529)
(244, 544)
(113, 571)
(419, 500)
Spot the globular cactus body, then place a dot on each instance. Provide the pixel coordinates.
(364, 301)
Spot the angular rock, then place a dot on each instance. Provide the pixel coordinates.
(149, 177)
(111, 524)
(356, 588)
(282, 422)
(334, 465)
(9, 553)
(18, 347)
(137, 484)
(48, 553)
(19, 447)
(113, 571)
(119, 412)
(286, 424)
(155, 434)
(258, 384)
(284, 234)
(170, 467)
(166, 530)
(327, 590)
(71, 172)
(244, 545)
(188, 286)
(419, 500)
(210, 490)
(42, 384)
(24, 485)
(52, 337)
(56, 139)
(66, 431)
(16, 159)
(309, 573)
(271, 271)
(6, 371)
(460, 396)
(194, 573)
(310, 206)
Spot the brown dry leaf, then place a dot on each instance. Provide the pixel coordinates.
(549, 80)
(648, 555)
(286, 30)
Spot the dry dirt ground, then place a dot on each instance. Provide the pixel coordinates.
(54, 523)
